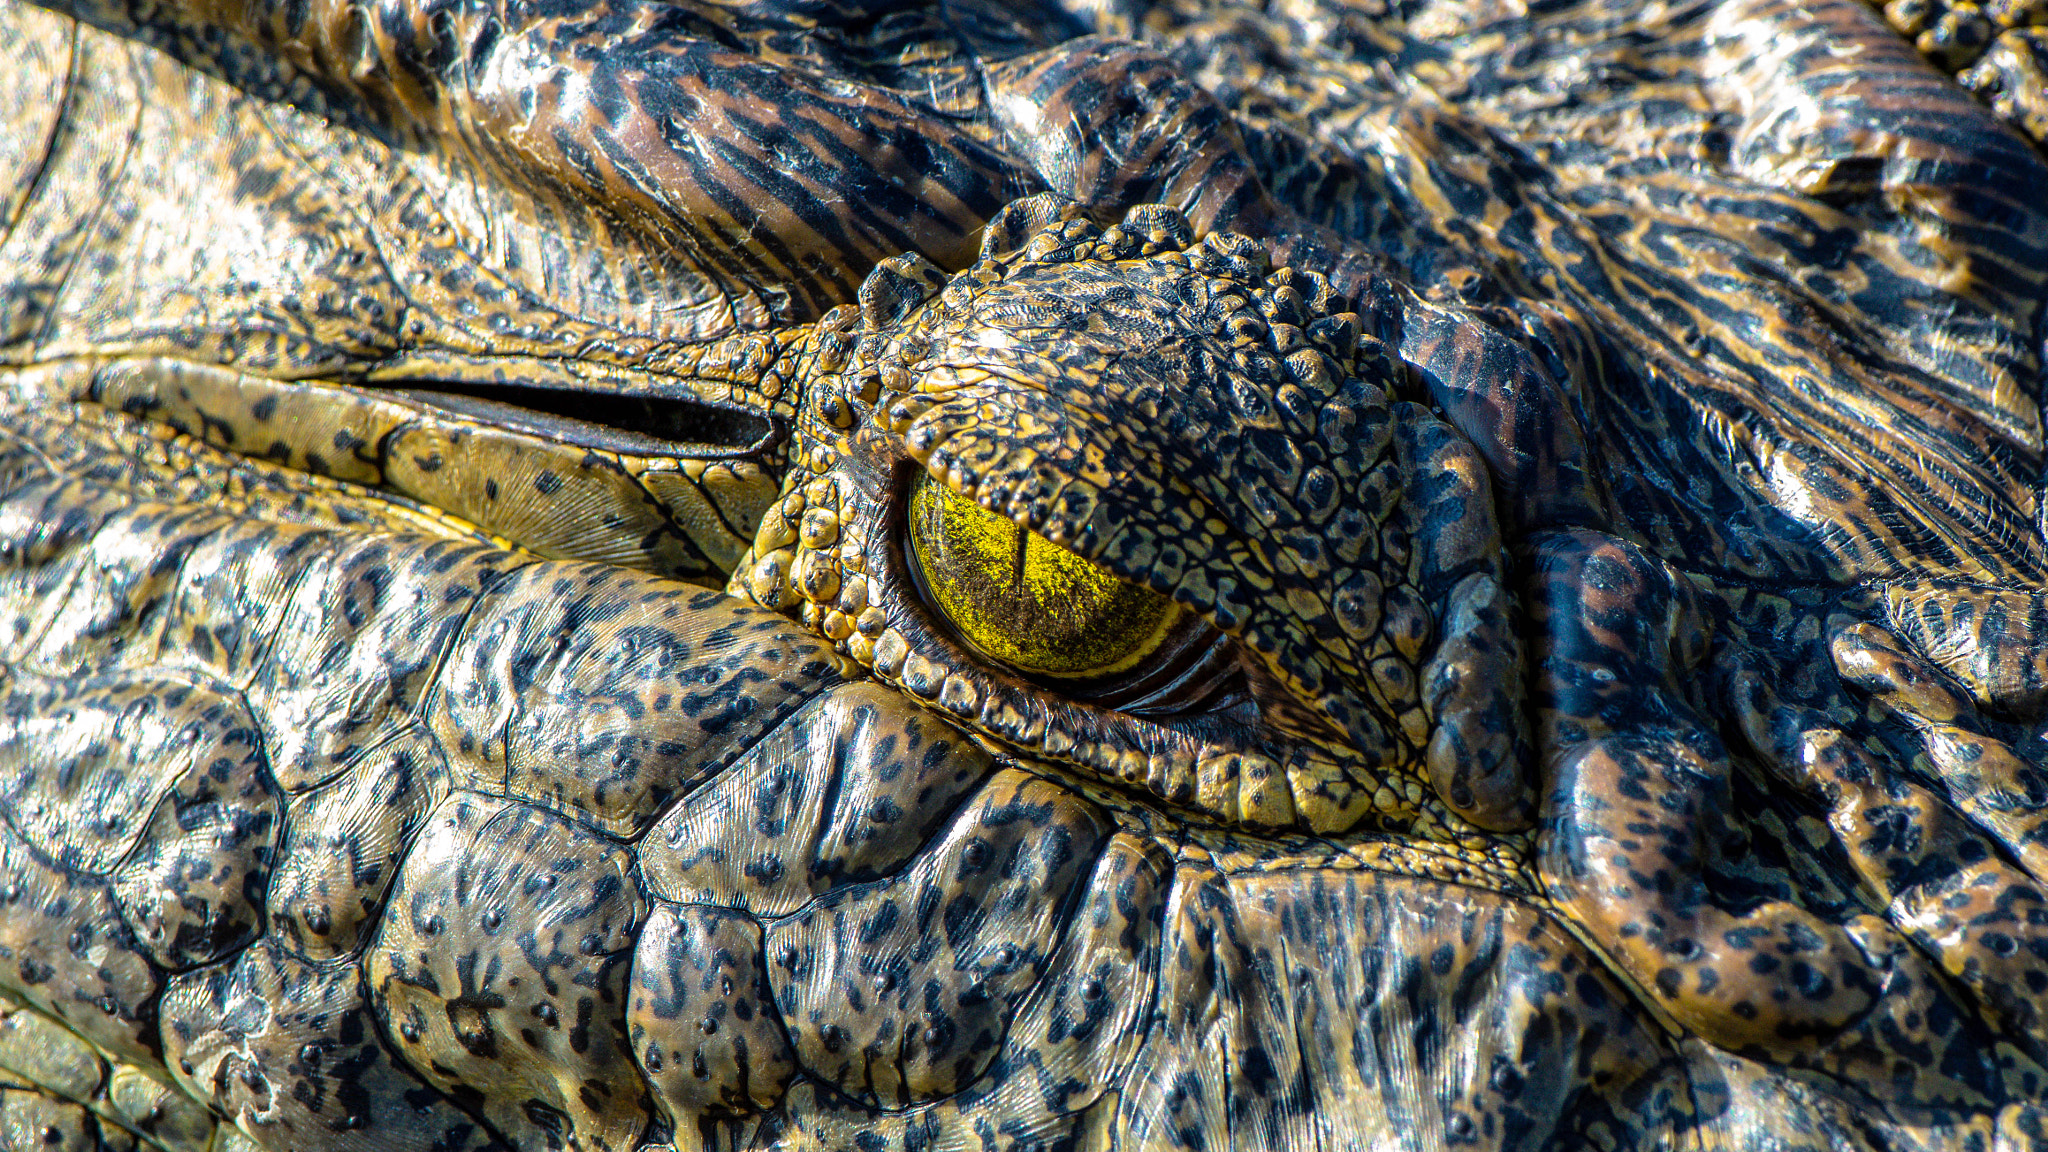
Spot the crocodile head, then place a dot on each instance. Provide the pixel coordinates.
(1178, 415)
(1098, 713)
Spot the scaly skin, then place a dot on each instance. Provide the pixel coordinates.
(464, 686)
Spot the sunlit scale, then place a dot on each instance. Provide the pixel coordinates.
(1025, 601)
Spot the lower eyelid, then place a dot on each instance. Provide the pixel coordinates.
(1201, 674)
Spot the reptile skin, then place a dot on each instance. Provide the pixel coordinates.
(470, 677)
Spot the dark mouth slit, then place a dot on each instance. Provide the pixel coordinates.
(638, 425)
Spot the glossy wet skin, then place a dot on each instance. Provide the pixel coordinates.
(469, 682)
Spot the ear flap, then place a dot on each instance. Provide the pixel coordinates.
(895, 288)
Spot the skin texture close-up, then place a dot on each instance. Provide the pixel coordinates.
(1049, 575)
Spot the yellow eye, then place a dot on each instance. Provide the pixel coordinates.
(1025, 601)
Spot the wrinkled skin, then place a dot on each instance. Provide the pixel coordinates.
(465, 685)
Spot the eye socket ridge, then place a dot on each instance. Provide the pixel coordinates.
(1060, 621)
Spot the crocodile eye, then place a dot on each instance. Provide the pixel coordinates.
(1024, 601)
(1019, 600)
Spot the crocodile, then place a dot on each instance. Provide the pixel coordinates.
(613, 574)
